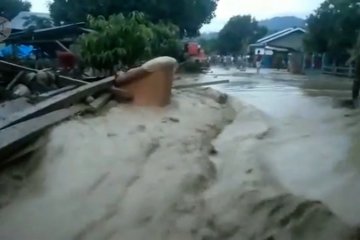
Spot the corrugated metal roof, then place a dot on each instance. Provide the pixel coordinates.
(274, 34)
(54, 33)
(18, 22)
(279, 34)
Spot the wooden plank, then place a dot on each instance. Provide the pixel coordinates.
(17, 67)
(50, 94)
(57, 91)
(70, 80)
(192, 85)
(16, 137)
(100, 102)
(62, 46)
(63, 100)
(15, 80)
(10, 107)
(23, 68)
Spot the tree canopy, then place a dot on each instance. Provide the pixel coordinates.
(188, 15)
(237, 33)
(10, 8)
(126, 40)
(333, 27)
(209, 45)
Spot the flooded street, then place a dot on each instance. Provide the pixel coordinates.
(313, 147)
(278, 160)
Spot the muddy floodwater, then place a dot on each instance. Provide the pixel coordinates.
(279, 160)
(313, 148)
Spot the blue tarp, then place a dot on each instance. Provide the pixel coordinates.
(22, 51)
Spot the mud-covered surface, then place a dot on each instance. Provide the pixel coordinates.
(313, 148)
(271, 163)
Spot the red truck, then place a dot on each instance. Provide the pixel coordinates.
(194, 52)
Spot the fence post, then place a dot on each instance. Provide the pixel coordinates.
(334, 67)
(323, 58)
(350, 70)
(312, 61)
(303, 62)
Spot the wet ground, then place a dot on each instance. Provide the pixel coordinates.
(198, 170)
(313, 147)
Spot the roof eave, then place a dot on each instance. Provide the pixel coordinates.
(282, 35)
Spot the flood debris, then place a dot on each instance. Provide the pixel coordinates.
(22, 125)
(14, 138)
(4, 65)
(100, 102)
(213, 151)
(44, 98)
(192, 85)
(47, 95)
(36, 100)
(63, 100)
(15, 80)
(149, 84)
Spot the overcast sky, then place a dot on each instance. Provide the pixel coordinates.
(261, 9)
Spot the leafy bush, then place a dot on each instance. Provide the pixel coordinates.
(117, 40)
(166, 41)
(126, 40)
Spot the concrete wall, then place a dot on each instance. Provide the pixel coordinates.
(294, 41)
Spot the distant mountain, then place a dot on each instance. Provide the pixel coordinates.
(273, 25)
(279, 23)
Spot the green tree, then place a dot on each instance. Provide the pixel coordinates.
(237, 33)
(209, 45)
(333, 27)
(188, 15)
(10, 8)
(126, 40)
(166, 40)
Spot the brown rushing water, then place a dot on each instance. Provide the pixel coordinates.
(137, 173)
(314, 146)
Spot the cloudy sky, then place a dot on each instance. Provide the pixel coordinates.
(261, 9)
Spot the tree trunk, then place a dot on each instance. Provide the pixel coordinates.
(356, 83)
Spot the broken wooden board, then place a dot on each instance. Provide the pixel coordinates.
(12, 106)
(69, 80)
(43, 96)
(15, 80)
(63, 100)
(100, 102)
(16, 137)
(203, 84)
(17, 67)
